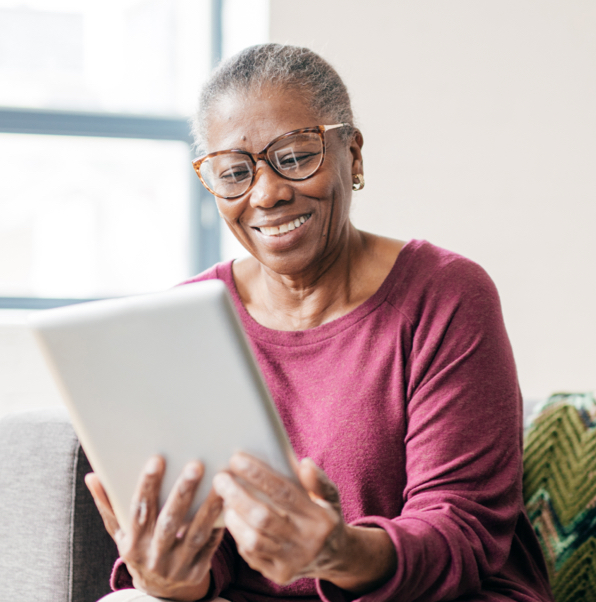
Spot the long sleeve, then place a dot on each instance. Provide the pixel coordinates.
(463, 445)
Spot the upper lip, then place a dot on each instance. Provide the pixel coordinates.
(280, 220)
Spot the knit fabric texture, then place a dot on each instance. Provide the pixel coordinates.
(560, 492)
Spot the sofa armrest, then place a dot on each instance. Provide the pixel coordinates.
(54, 546)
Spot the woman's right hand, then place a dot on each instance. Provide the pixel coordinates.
(166, 555)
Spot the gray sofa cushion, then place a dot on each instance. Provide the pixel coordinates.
(53, 547)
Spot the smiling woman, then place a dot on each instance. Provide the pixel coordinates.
(258, 122)
(388, 362)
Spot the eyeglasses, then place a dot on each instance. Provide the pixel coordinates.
(297, 155)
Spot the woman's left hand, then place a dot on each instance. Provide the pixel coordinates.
(287, 530)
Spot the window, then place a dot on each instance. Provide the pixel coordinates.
(98, 197)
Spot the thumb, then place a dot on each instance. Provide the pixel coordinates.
(318, 485)
(103, 504)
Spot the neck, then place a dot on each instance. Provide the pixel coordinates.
(310, 298)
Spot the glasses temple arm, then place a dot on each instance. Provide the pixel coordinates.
(334, 127)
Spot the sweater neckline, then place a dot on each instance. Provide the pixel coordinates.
(324, 331)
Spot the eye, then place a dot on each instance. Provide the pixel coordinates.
(235, 173)
(289, 158)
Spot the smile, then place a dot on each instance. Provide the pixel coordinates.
(283, 228)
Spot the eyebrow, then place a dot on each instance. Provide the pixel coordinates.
(245, 150)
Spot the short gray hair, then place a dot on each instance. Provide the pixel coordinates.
(282, 66)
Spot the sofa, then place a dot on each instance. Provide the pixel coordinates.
(53, 547)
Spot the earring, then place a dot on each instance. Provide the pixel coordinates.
(358, 183)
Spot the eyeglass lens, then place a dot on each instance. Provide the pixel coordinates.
(295, 158)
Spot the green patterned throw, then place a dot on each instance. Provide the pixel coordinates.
(560, 492)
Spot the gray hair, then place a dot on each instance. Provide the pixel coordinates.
(285, 67)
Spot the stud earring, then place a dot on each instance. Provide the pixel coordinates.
(358, 183)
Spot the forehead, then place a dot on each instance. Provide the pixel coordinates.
(249, 121)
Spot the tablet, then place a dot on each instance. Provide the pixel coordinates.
(168, 373)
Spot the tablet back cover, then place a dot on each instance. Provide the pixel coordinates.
(168, 373)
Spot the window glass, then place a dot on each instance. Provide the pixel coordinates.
(92, 217)
(244, 24)
(131, 56)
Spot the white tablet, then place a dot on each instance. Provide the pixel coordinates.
(169, 373)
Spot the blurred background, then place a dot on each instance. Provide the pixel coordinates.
(479, 128)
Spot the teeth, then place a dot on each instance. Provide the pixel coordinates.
(287, 227)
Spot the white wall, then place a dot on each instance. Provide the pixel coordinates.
(479, 124)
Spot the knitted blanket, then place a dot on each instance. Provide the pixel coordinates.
(560, 492)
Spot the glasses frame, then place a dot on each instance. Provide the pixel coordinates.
(262, 156)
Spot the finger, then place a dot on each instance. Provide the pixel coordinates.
(202, 527)
(251, 543)
(318, 484)
(255, 510)
(144, 504)
(172, 515)
(275, 560)
(279, 489)
(103, 504)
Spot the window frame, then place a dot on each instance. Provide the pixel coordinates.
(204, 231)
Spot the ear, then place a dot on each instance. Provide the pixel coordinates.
(356, 152)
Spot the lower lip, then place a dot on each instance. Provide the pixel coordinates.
(286, 240)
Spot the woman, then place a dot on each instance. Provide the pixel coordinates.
(390, 367)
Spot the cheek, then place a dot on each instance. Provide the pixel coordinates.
(339, 185)
(338, 198)
(230, 212)
(331, 190)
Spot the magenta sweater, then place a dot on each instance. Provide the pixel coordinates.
(410, 403)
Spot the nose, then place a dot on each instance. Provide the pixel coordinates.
(269, 188)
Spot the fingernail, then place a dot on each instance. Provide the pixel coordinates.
(240, 462)
(191, 472)
(221, 483)
(152, 466)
